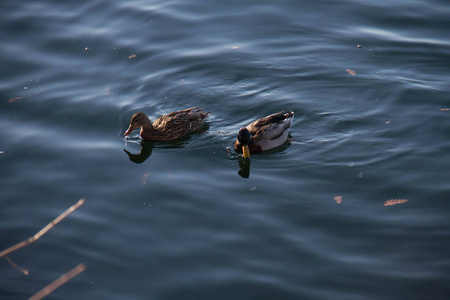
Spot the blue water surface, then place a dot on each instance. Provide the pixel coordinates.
(353, 206)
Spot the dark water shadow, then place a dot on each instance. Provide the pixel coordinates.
(146, 151)
(147, 148)
(244, 168)
(244, 163)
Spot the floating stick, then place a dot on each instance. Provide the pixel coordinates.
(16, 266)
(58, 282)
(43, 231)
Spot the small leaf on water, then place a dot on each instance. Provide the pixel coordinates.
(144, 178)
(351, 72)
(395, 201)
(12, 100)
(338, 199)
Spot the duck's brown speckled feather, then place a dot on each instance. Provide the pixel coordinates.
(169, 127)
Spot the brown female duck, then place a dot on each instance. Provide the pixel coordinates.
(168, 127)
(264, 134)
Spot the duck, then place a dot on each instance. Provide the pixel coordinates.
(264, 134)
(168, 127)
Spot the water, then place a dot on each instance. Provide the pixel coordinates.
(368, 83)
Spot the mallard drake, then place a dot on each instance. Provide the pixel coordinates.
(264, 134)
(168, 127)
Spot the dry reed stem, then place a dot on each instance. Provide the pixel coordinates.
(58, 282)
(25, 272)
(43, 230)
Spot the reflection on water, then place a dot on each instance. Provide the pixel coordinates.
(244, 167)
(146, 147)
(146, 151)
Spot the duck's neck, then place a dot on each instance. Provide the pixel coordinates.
(148, 127)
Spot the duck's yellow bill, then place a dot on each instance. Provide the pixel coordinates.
(245, 151)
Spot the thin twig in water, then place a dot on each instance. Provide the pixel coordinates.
(43, 231)
(16, 266)
(58, 282)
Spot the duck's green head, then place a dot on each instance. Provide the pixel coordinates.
(244, 137)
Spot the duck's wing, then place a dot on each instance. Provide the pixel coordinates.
(271, 131)
(181, 122)
(177, 117)
(271, 127)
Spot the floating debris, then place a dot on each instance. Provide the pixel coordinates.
(43, 231)
(58, 282)
(12, 100)
(132, 56)
(395, 201)
(144, 178)
(25, 272)
(351, 72)
(108, 91)
(338, 199)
